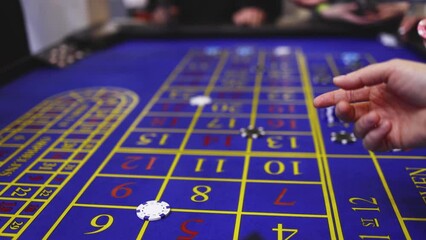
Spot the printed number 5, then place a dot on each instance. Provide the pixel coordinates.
(102, 226)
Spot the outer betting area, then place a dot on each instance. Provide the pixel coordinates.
(83, 147)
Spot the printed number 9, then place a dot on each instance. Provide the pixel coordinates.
(102, 226)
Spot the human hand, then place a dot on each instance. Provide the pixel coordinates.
(410, 22)
(391, 10)
(249, 16)
(346, 12)
(387, 102)
(308, 3)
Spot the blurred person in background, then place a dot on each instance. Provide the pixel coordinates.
(359, 12)
(415, 13)
(251, 13)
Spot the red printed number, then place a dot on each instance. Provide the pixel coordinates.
(122, 191)
(185, 229)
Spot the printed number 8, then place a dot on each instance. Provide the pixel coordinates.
(201, 195)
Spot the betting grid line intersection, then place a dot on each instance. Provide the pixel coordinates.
(390, 196)
(334, 221)
(256, 93)
(384, 182)
(141, 115)
(129, 133)
(194, 120)
(19, 126)
(46, 191)
(382, 213)
(319, 153)
(253, 214)
(327, 155)
(93, 148)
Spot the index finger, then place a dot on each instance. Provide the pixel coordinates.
(368, 76)
(332, 98)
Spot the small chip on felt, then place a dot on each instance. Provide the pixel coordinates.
(153, 210)
(200, 100)
(282, 51)
(388, 40)
(252, 132)
(343, 137)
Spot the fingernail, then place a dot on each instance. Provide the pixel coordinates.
(401, 31)
(338, 79)
(316, 101)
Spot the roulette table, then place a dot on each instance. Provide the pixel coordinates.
(82, 146)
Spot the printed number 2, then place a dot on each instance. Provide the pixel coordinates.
(21, 192)
(102, 226)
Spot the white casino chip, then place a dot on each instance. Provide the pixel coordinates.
(200, 100)
(245, 51)
(282, 51)
(349, 58)
(153, 210)
(389, 40)
(212, 51)
(330, 114)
